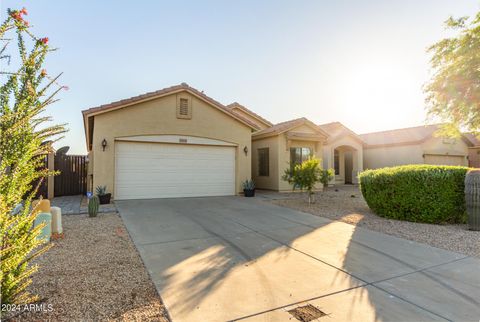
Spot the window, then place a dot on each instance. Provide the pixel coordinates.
(298, 155)
(263, 162)
(184, 107)
(336, 162)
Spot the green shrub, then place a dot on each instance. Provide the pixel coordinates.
(419, 193)
(326, 175)
(304, 176)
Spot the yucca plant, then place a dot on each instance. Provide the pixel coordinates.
(25, 91)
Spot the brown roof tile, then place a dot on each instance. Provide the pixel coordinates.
(235, 105)
(400, 136)
(337, 130)
(287, 125)
(475, 140)
(152, 95)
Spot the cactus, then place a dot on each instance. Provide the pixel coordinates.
(93, 205)
(472, 198)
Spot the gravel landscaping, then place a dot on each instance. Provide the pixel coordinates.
(347, 205)
(94, 273)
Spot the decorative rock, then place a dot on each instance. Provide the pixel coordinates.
(42, 205)
(46, 232)
(56, 220)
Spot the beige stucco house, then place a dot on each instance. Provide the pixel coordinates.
(178, 142)
(414, 145)
(174, 142)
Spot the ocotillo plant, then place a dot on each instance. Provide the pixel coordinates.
(26, 89)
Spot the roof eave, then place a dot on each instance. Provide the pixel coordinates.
(180, 88)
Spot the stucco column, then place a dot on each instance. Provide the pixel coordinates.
(355, 162)
(330, 164)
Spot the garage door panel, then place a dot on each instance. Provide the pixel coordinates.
(155, 170)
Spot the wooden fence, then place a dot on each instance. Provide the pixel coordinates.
(72, 179)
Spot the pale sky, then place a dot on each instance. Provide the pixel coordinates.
(362, 63)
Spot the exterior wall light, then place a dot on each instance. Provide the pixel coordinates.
(104, 144)
(245, 149)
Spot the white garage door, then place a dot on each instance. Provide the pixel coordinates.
(159, 170)
(445, 159)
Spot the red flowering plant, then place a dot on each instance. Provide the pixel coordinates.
(25, 92)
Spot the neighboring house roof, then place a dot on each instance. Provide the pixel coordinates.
(254, 115)
(337, 130)
(288, 125)
(405, 136)
(473, 139)
(154, 95)
(410, 135)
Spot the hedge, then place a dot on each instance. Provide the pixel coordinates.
(419, 193)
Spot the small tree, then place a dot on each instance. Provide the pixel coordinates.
(24, 95)
(325, 176)
(453, 93)
(304, 176)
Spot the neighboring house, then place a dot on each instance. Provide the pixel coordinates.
(414, 145)
(473, 151)
(175, 142)
(285, 144)
(178, 142)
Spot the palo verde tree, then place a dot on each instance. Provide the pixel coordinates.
(453, 93)
(26, 90)
(304, 176)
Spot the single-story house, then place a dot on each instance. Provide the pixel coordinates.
(175, 142)
(178, 142)
(414, 145)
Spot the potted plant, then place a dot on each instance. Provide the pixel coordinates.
(249, 188)
(102, 194)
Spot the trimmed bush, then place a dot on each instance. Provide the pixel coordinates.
(419, 193)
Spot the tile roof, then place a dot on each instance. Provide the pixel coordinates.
(330, 126)
(287, 125)
(475, 140)
(151, 95)
(246, 110)
(414, 134)
(337, 130)
(281, 127)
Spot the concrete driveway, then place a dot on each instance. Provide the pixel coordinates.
(234, 258)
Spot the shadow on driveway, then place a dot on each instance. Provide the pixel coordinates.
(233, 258)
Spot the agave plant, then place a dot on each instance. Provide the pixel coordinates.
(101, 190)
(248, 185)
